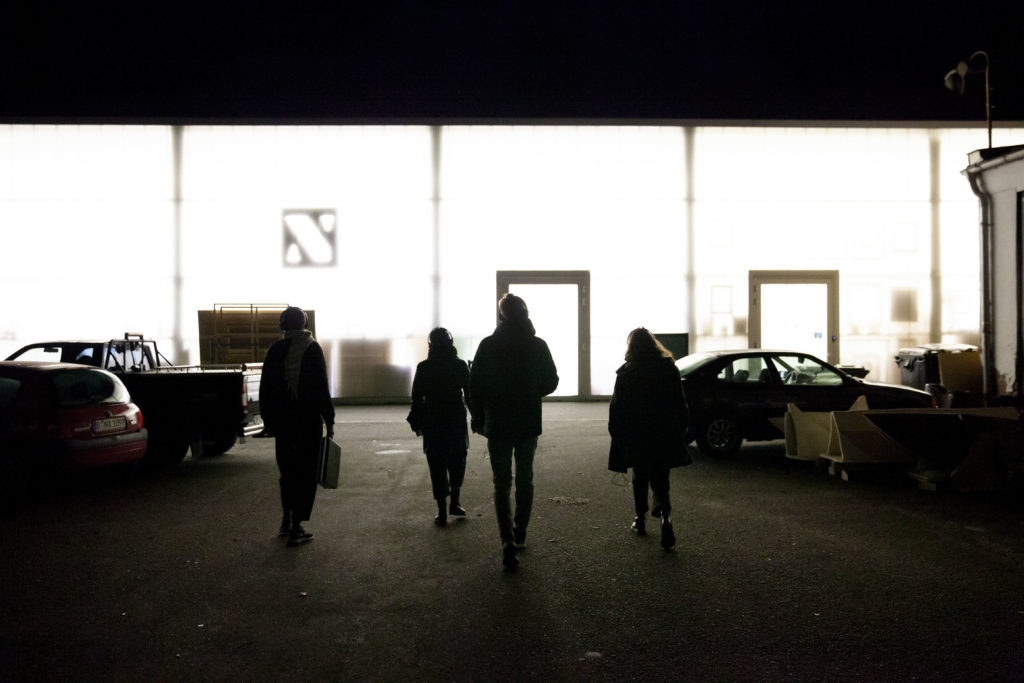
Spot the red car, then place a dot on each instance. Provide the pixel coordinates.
(66, 416)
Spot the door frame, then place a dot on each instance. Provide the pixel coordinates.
(829, 278)
(580, 278)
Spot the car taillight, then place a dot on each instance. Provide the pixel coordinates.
(142, 423)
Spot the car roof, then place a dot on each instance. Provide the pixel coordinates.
(40, 366)
(718, 353)
(61, 342)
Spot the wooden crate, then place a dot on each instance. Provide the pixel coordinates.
(240, 333)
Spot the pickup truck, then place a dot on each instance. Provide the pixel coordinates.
(205, 407)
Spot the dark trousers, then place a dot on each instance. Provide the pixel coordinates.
(297, 447)
(446, 459)
(502, 453)
(648, 473)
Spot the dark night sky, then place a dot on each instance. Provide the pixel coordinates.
(421, 59)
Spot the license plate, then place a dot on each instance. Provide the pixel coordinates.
(110, 424)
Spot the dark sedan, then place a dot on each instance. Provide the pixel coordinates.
(744, 394)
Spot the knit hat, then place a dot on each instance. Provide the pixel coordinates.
(440, 337)
(293, 318)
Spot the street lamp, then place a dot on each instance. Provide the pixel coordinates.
(956, 81)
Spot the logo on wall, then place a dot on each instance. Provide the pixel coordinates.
(309, 237)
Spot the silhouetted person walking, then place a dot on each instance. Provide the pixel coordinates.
(511, 371)
(440, 390)
(295, 403)
(647, 421)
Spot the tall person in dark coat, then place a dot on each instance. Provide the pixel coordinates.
(511, 372)
(440, 391)
(647, 420)
(295, 404)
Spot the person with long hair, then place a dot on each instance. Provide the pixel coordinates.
(440, 392)
(647, 421)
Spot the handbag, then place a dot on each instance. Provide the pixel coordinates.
(329, 464)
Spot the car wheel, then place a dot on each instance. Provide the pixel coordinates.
(218, 444)
(719, 436)
(165, 448)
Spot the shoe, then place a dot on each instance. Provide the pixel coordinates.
(520, 538)
(639, 526)
(286, 525)
(298, 535)
(508, 556)
(441, 520)
(668, 536)
(656, 511)
(455, 509)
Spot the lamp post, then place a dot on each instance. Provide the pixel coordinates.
(956, 81)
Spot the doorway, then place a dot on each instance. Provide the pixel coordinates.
(795, 310)
(559, 308)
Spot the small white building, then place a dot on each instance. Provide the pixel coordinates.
(996, 176)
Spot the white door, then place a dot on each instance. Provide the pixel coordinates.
(796, 311)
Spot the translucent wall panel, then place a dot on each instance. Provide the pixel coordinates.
(608, 200)
(87, 222)
(563, 162)
(61, 163)
(961, 237)
(374, 302)
(821, 164)
(307, 163)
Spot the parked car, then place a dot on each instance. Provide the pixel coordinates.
(66, 417)
(743, 394)
(205, 407)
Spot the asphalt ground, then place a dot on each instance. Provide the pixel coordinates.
(781, 572)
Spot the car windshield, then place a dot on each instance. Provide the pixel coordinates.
(85, 387)
(688, 364)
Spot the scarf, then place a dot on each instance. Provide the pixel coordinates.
(299, 341)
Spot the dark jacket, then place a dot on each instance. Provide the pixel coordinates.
(511, 371)
(647, 416)
(440, 389)
(313, 402)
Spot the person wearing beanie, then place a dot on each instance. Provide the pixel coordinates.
(295, 403)
(440, 391)
(511, 371)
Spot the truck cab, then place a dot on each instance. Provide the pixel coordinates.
(124, 355)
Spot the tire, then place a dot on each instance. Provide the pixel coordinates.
(218, 444)
(165, 448)
(719, 436)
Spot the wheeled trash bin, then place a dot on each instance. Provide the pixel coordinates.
(952, 370)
